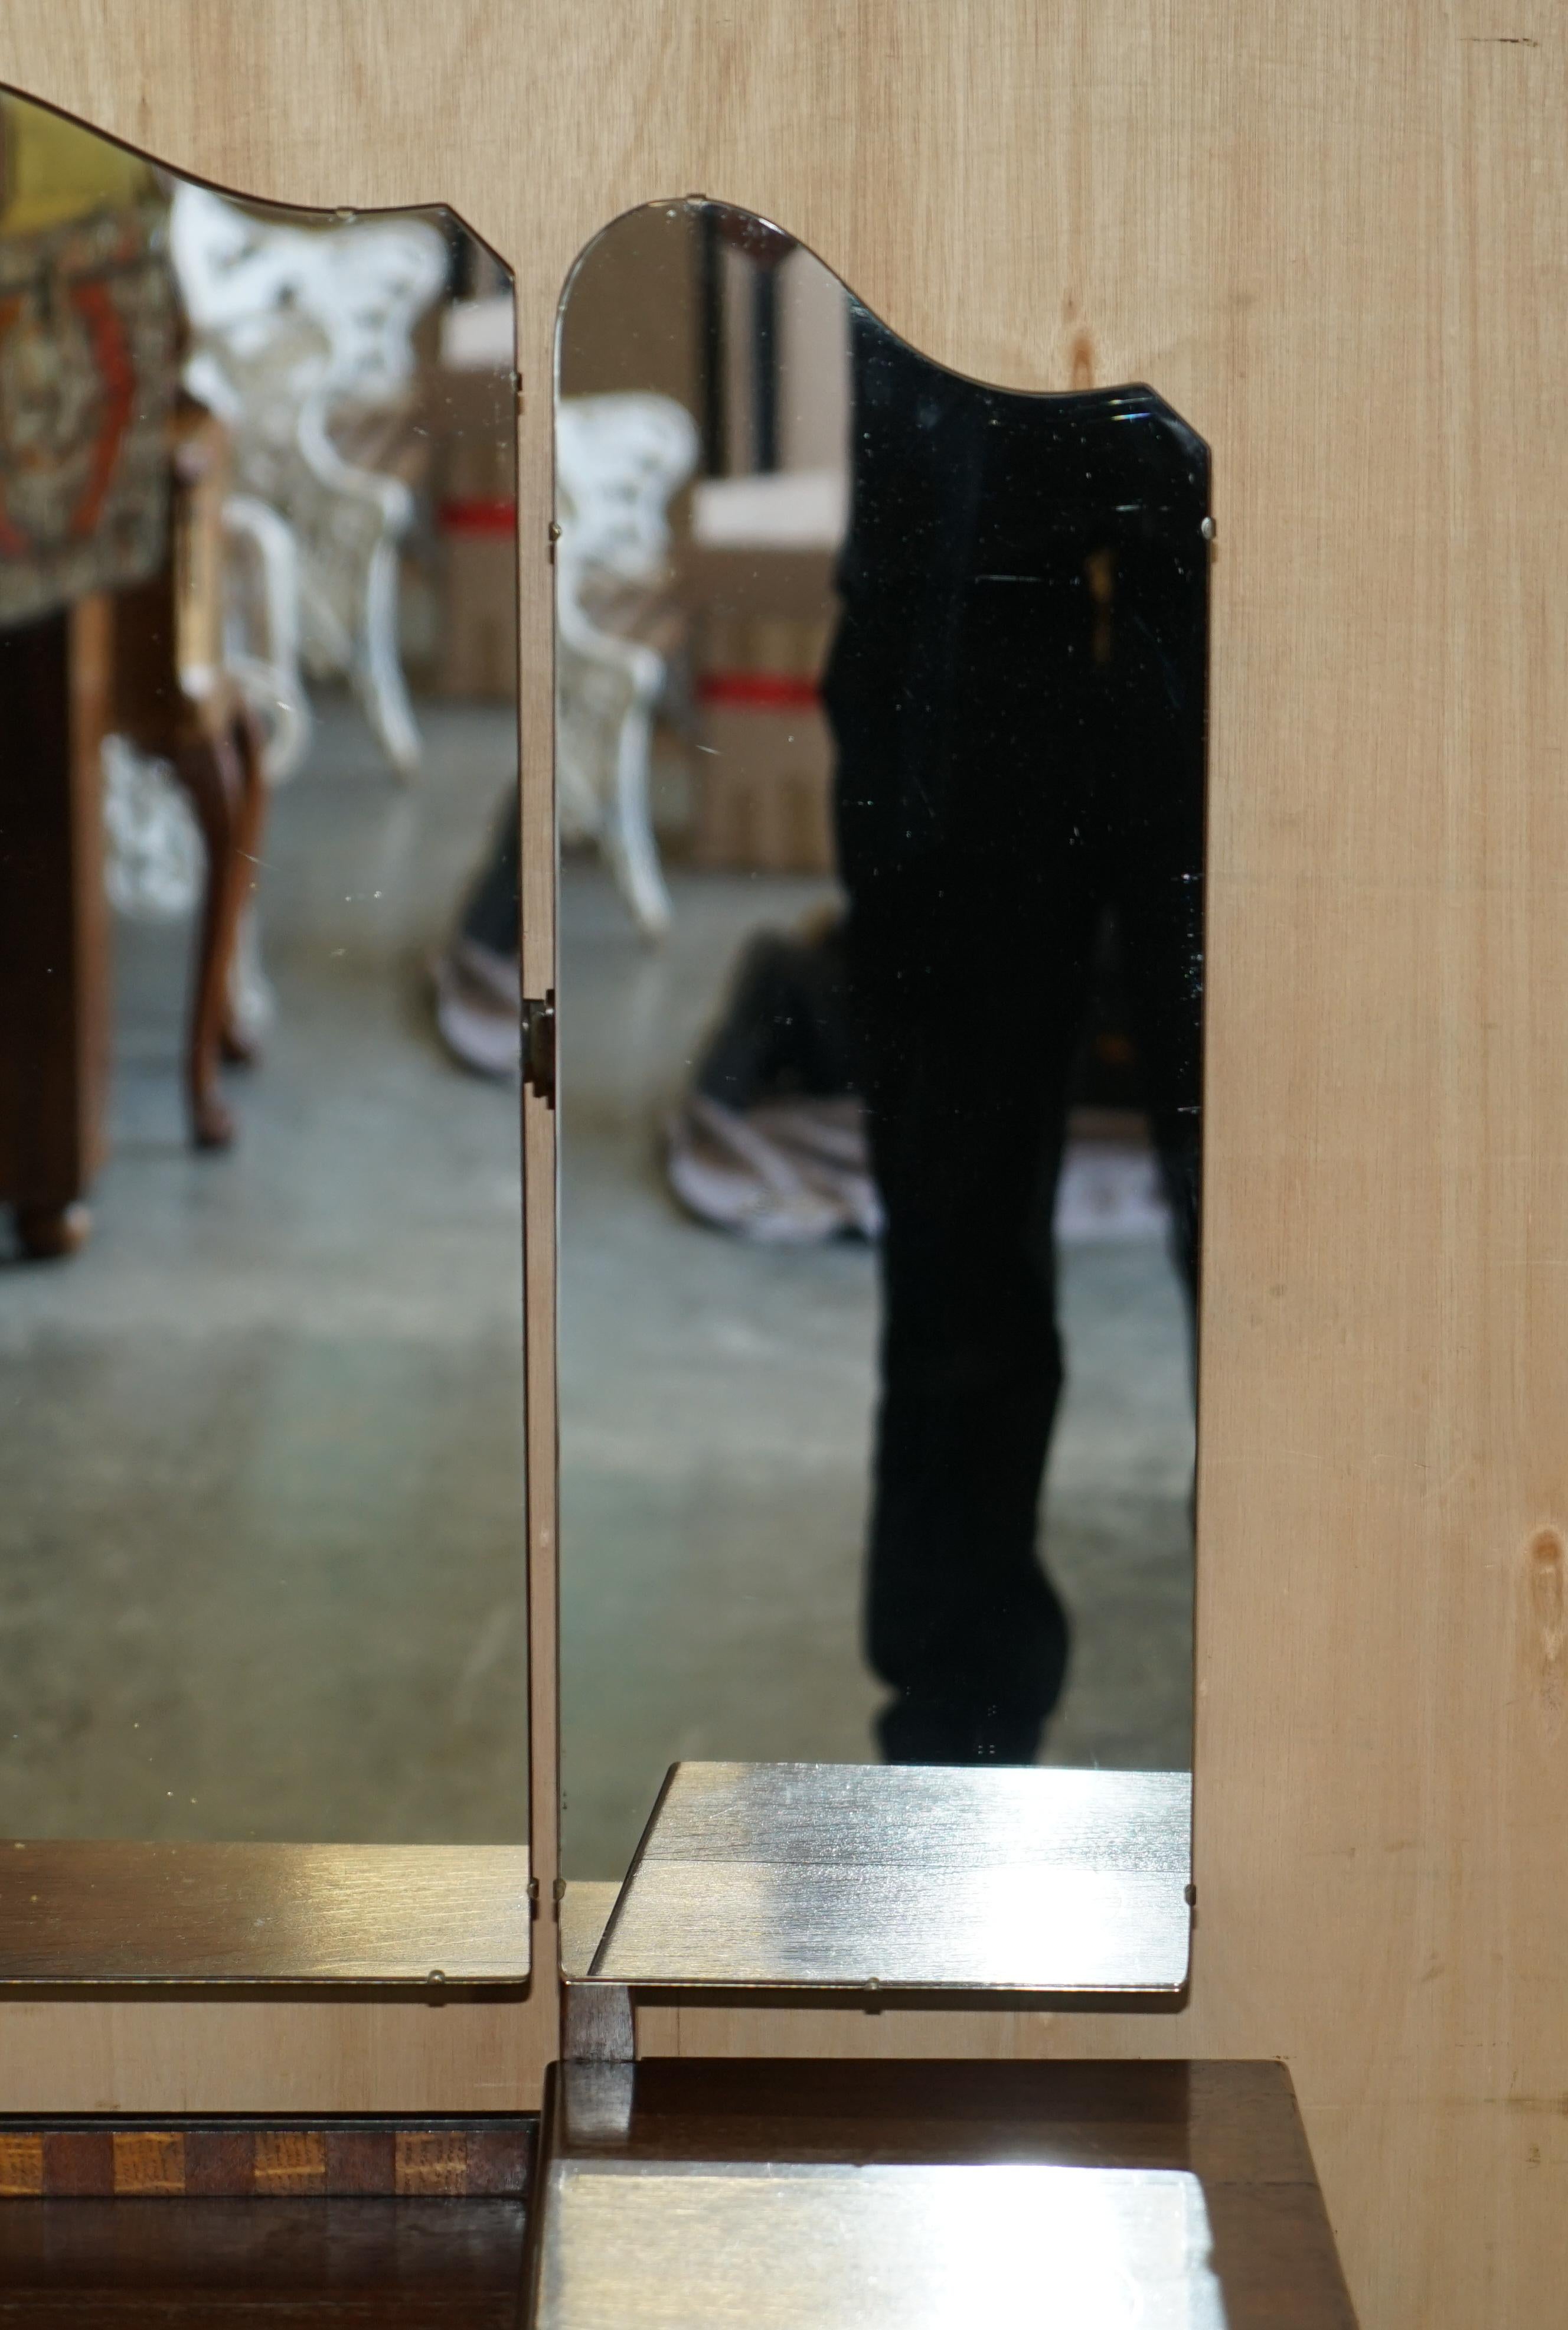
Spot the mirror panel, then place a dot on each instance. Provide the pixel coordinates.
(261, 1525)
(881, 790)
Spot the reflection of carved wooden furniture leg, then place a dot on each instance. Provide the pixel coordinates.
(173, 697)
(222, 773)
(251, 1004)
(619, 459)
(49, 1233)
(263, 567)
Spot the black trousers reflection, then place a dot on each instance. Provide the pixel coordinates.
(992, 811)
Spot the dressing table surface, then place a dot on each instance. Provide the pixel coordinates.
(749, 2141)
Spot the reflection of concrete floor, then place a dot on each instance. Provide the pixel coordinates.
(260, 1514)
(715, 1416)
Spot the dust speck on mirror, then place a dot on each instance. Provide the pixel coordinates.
(261, 1524)
(880, 758)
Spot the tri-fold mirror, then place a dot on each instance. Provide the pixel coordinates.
(880, 776)
(880, 763)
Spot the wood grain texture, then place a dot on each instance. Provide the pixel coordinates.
(1334, 238)
(296, 2264)
(279, 2056)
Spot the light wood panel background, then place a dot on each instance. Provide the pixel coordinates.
(1335, 233)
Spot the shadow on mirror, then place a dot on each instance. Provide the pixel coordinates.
(261, 1531)
(880, 772)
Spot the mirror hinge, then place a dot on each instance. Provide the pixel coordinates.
(539, 1044)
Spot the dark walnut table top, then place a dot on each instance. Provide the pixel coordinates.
(1007, 2190)
(926, 2193)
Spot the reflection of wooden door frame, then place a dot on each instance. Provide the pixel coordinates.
(1320, 232)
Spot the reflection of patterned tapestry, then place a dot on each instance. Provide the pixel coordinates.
(86, 374)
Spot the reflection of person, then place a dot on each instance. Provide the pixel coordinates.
(768, 1141)
(1016, 695)
(477, 978)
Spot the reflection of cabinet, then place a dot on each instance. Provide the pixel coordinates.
(54, 677)
(85, 374)
(146, 663)
(471, 415)
(761, 621)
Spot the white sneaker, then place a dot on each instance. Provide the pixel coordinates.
(479, 1008)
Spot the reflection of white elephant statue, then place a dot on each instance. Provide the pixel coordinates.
(618, 461)
(301, 344)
